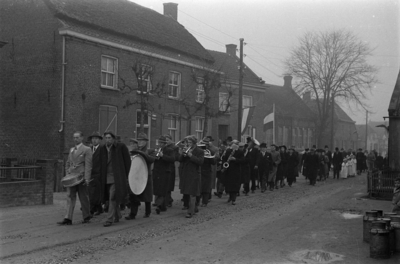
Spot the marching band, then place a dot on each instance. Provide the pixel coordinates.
(149, 174)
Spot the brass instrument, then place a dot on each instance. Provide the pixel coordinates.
(225, 165)
(207, 154)
(158, 152)
(186, 150)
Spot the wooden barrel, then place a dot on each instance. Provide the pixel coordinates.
(379, 247)
(367, 221)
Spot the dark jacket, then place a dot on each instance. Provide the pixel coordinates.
(337, 159)
(264, 163)
(206, 174)
(162, 172)
(292, 162)
(282, 167)
(121, 163)
(190, 172)
(232, 176)
(172, 175)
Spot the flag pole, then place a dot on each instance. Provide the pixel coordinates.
(273, 124)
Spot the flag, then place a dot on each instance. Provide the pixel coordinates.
(269, 120)
(247, 114)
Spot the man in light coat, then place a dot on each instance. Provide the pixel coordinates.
(79, 162)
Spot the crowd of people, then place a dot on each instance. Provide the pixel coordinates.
(234, 168)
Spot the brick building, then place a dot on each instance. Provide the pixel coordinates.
(293, 119)
(394, 127)
(66, 62)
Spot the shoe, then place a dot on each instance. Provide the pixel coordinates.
(233, 203)
(146, 216)
(252, 191)
(196, 210)
(107, 224)
(169, 205)
(116, 220)
(65, 222)
(188, 216)
(98, 212)
(86, 220)
(276, 187)
(229, 200)
(130, 217)
(204, 205)
(262, 191)
(185, 208)
(246, 194)
(271, 189)
(158, 210)
(156, 204)
(219, 195)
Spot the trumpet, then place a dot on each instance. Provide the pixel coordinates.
(158, 152)
(186, 150)
(207, 154)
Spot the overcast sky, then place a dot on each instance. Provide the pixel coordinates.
(271, 28)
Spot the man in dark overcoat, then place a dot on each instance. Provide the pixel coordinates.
(172, 175)
(337, 160)
(312, 163)
(190, 173)
(95, 187)
(115, 163)
(264, 164)
(252, 155)
(232, 175)
(292, 162)
(147, 195)
(206, 173)
(328, 153)
(303, 162)
(164, 159)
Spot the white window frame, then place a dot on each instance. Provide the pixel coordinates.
(244, 105)
(107, 73)
(199, 130)
(173, 131)
(176, 86)
(145, 126)
(149, 86)
(223, 100)
(200, 94)
(114, 129)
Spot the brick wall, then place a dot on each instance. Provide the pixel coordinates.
(29, 80)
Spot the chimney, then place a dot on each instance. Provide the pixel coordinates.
(231, 49)
(287, 81)
(171, 10)
(307, 96)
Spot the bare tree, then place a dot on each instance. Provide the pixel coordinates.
(333, 66)
(145, 90)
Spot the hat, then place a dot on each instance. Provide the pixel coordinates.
(283, 146)
(273, 145)
(168, 136)
(263, 145)
(241, 144)
(162, 139)
(109, 133)
(248, 139)
(95, 134)
(235, 141)
(206, 140)
(307, 149)
(291, 148)
(229, 138)
(326, 146)
(192, 138)
(142, 136)
(133, 140)
(209, 138)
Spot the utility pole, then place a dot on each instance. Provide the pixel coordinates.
(240, 103)
(366, 130)
(332, 120)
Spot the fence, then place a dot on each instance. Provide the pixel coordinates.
(381, 184)
(18, 173)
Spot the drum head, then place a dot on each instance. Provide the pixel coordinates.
(138, 174)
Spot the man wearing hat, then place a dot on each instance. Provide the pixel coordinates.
(79, 162)
(337, 160)
(115, 163)
(292, 161)
(276, 160)
(147, 195)
(171, 182)
(312, 164)
(95, 184)
(208, 141)
(164, 159)
(264, 164)
(328, 153)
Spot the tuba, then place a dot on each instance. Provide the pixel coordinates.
(225, 165)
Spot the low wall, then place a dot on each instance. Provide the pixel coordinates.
(31, 192)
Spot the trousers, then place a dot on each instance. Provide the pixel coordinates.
(82, 191)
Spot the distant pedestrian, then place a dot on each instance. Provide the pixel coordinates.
(337, 160)
(79, 163)
(396, 196)
(312, 163)
(292, 162)
(276, 160)
(264, 164)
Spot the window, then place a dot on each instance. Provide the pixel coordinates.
(300, 137)
(247, 101)
(224, 102)
(200, 95)
(199, 127)
(285, 136)
(107, 118)
(173, 127)
(146, 123)
(174, 87)
(145, 77)
(109, 67)
(294, 137)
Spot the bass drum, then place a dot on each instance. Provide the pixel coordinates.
(138, 174)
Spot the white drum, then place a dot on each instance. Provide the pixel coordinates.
(138, 174)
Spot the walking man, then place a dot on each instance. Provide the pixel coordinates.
(95, 188)
(337, 160)
(79, 162)
(115, 165)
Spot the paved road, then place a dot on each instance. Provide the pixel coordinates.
(290, 225)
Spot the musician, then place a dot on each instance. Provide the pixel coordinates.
(292, 162)
(232, 175)
(206, 173)
(208, 140)
(191, 159)
(171, 181)
(276, 159)
(164, 158)
(253, 152)
(264, 164)
(95, 184)
(147, 195)
(220, 186)
(79, 162)
(282, 168)
(115, 165)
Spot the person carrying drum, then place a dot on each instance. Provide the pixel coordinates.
(79, 163)
(164, 159)
(115, 165)
(147, 195)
